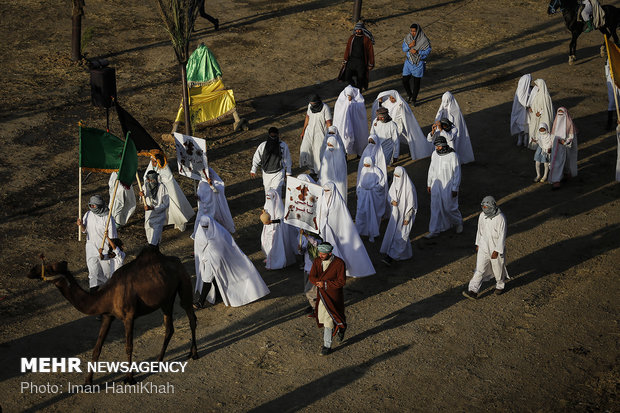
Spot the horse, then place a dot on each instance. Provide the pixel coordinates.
(570, 12)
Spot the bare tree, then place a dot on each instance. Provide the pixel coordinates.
(179, 17)
(76, 29)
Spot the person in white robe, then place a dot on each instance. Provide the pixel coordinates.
(124, 202)
(156, 208)
(337, 228)
(490, 248)
(93, 224)
(278, 240)
(371, 201)
(403, 199)
(386, 130)
(543, 141)
(115, 256)
(220, 262)
(451, 110)
(564, 152)
(318, 119)
(443, 182)
(212, 201)
(180, 211)
(445, 128)
(334, 166)
(611, 100)
(375, 152)
(274, 159)
(518, 115)
(408, 127)
(351, 120)
(540, 110)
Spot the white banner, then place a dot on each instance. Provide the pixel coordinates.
(301, 204)
(191, 156)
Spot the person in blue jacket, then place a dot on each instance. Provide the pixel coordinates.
(417, 47)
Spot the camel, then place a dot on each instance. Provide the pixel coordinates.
(149, 282)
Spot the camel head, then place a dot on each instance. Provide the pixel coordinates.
(53, 273)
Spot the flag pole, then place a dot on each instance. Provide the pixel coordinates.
(80, 179)
(613, 81)
(107, 223)
(143, 198)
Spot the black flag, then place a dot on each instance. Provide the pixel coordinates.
(145, 144)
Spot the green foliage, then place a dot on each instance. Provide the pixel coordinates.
(179, 17)
(87, 36)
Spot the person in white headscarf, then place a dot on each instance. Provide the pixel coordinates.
(490, 246)
(375, 152)
(351, 121)
(408, 127)
(518, 115)
(124, 201)
(334, 166)
(443, 182)
(156, 207)
(451, 110)
(318, 119)
(404, 201)
(212, 201)
(370, 200)
(220, 262)
(274, 159)
(385, 128)
(540, 110)
(337, 228)
(93, 224)
(278, 240)
(564, 151)
(543, 141)
(180, 210)
(332, 131)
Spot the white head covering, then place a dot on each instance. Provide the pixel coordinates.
(351, 121)
(396, 239)
(334, 165)
(563, 129)
(273, 204)
(450, 109)
(408, 126)
(539, 101)
(518, 116)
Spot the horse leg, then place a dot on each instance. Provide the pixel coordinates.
(103, 333)
(185, 294)
(129, 346)
(169, 328)
(572, 48)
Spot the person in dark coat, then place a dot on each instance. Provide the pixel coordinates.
(328, 274)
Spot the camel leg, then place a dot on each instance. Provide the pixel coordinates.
(103, 333)
(129, 346)
(185, 294)
(169, 331)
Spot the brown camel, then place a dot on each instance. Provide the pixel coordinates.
(149, 282)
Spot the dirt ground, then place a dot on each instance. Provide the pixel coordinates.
(550, 343)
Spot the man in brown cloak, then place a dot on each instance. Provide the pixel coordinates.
(359, 58)
(328, 274)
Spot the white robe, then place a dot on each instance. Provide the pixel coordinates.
(518, 115)
(375, 152)
(98, 271)
(314, 135)
(351, 120)
(449, 135)
(539, 102)
(408, 127)
(388, 135)
(219, 259)
(370, 200)
(563, 156)
(396, 243)
(180, 210)
(155, 219)
(124, 202)
(444, 176)
(491, 236)
(278, 240)
(451, 110)
(611, 101)
(273, 180)
(337, 228)
(334, 167)
(212, 201)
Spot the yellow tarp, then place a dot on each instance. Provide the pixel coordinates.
(613, 53)
(208, 102)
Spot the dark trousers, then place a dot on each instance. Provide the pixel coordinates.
(412, 93)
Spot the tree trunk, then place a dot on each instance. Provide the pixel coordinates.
(357, 10)
(188, 125)
(76, 37)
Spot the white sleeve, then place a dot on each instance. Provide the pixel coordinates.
(501, 230)
(456, 181)
(256, 159)
(286, 158)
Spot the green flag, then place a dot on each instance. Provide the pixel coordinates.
(100, 151)
(129, 162)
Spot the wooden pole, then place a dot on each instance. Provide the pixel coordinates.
(107, 223)
(613, 81)
(140, 188)
(80, 202)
